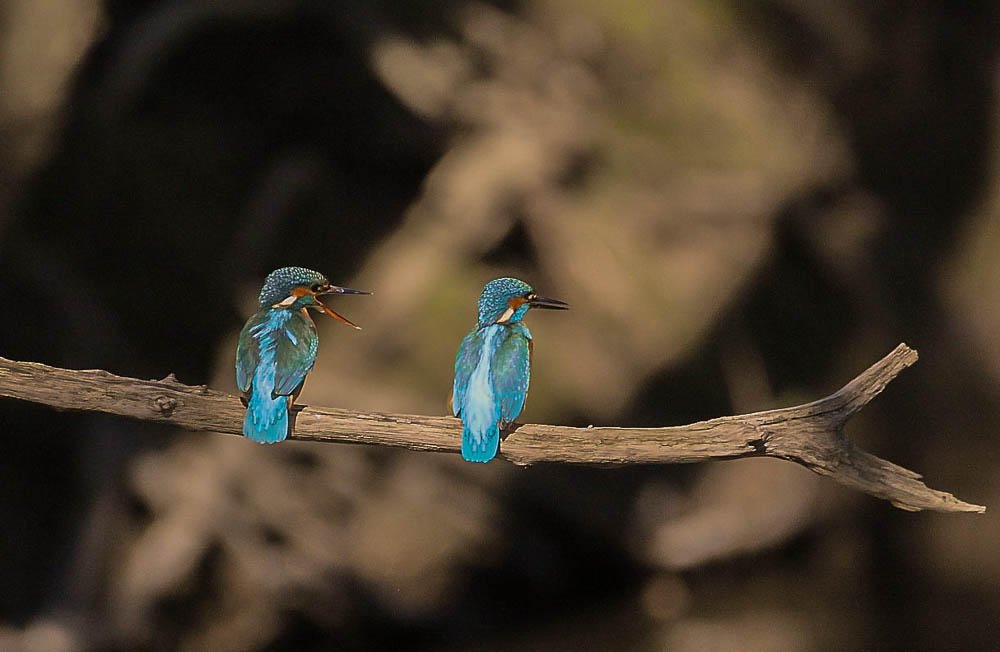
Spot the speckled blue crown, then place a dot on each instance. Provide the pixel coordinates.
(496, 294)
(279, 284)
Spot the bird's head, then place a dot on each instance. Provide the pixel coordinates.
(505, 300)
(297, 288)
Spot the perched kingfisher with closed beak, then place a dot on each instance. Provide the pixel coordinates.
(493, 366)
(277, 348)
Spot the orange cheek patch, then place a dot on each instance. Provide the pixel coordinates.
(301, 291)
(512, 306)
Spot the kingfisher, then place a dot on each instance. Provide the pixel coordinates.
(493, 366)
(277, 348)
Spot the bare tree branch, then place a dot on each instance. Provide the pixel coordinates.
(810, 434)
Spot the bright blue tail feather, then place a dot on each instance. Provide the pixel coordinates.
(266, 421)
(482, 448)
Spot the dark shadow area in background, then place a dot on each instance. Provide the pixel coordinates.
(161, 202)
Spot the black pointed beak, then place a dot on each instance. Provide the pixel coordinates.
(333, 289)
(548, 304)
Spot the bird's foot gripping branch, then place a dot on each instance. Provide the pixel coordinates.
(810, 434)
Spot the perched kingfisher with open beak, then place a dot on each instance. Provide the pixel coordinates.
(277, 348)
(493, 366)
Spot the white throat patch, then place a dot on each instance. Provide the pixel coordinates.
(286, 302)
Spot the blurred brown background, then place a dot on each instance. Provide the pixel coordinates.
(745, 203)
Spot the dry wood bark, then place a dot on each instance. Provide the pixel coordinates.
(810, 434)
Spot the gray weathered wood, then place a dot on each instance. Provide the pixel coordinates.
(809, 434)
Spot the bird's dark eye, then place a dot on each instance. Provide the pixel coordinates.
(316, 287)
(530, 296)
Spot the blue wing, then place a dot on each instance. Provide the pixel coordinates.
(512, 372)
(282, 338)
(276, 350)
(492, 369)
(473, 397)
(248, 351)
(465, 364)
(296, 354)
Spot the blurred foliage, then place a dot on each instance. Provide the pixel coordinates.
(745, 204)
